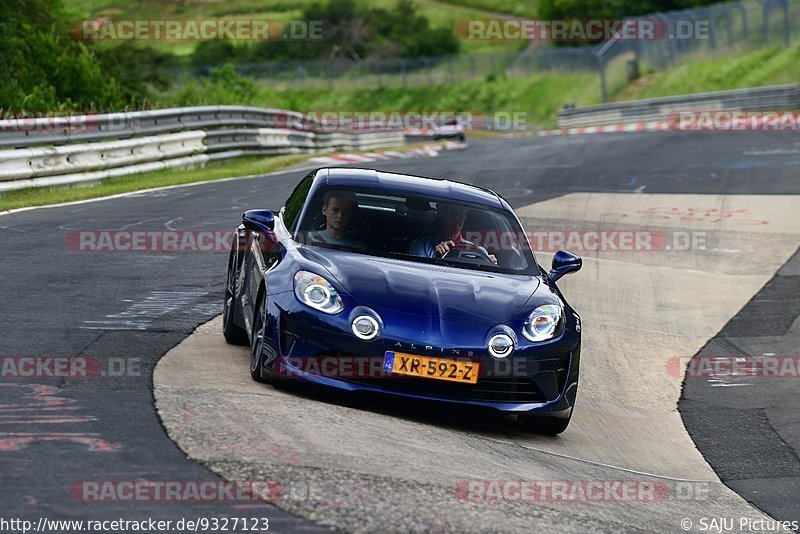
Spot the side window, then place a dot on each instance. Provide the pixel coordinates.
(295, 202)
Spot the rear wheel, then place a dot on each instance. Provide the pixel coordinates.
(234, 334)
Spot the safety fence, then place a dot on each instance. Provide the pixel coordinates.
(73, 149)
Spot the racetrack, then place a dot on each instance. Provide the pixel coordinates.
(374, 463)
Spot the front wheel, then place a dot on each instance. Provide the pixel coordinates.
(259, 346)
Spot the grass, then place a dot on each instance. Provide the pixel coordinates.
(765, 66)
(440, 13)
(539, 96)
(519, 8)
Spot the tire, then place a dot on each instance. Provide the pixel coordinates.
(257, 344)
(234, 334)
(549, 426)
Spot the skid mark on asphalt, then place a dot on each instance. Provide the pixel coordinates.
(37, 404)
(140, 315)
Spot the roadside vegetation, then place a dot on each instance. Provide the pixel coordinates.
(54, 72)
(54, 69)
(40, 196)
(539, 96)
(770, 65)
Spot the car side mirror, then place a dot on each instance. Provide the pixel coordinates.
(259, 220)
(565, 262)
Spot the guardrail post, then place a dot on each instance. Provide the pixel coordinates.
(787, 36)
(430, 74)
(718, 11)
(729, 25)
(712, 27)
(602, 68)
(745, 28)
(673, 45)
(329, 74)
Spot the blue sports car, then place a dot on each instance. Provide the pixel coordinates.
(408, 286)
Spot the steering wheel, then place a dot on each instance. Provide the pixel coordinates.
(468, 252)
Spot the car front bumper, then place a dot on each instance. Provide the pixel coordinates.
(320, 349)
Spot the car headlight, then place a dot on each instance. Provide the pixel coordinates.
(316, 292)
(543, 323)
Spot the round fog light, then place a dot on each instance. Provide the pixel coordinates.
(501, 345)
(365, 327)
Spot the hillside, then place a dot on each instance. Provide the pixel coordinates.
(440, 13)
(539, 96)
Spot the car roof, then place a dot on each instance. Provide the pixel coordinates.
(408, 183)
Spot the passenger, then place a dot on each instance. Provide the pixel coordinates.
(337, 207)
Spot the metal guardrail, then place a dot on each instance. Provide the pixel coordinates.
(772, 98)
(55, 151)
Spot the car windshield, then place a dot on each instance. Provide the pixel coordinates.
(417, 228)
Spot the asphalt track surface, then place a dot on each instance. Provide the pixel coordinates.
(134, 307)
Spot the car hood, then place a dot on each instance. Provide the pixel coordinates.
(449, 293)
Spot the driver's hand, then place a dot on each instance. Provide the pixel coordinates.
(493, 258)
(443, 247)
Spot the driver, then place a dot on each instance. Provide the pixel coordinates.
(337, 207)
(447, 236)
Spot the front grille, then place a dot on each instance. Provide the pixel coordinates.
(487, 389)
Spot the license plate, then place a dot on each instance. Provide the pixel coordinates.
(427, 367)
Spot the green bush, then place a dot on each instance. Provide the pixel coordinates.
(46, 69)
(348, 30)
(223, 87)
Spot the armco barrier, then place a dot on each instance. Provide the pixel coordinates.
(48, 161)
(773, 98)
(54, 151)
